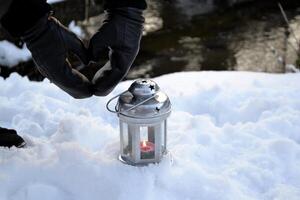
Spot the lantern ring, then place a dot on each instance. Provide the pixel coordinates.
(116, 107)
(117, 111)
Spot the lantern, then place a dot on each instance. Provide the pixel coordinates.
(143, 111)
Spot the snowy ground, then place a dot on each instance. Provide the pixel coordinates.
(232, 135)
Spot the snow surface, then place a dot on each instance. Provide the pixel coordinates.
(11, 55)
(76, 29)
(54, 1)
(232, 135)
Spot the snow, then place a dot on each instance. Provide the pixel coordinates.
(10, 55)
(292, 68)
(54, 1)
(232, 135)
(76, 29)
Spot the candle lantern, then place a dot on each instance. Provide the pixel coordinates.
(143, 111)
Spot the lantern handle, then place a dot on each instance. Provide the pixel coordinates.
(117, 111)
(108, 103)
(141, 103)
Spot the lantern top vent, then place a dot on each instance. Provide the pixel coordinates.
(143, 87)
(144, 100)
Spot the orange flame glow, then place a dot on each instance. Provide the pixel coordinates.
(144, 143)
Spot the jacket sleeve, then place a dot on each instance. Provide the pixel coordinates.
(23, 14)
(4, 5)
(112, 4)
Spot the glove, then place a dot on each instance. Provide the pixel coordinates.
(9, 138)
(121, 32)
(50, 43)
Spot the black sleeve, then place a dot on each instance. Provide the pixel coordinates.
(111, 4)
(23, 14)
(4, 5)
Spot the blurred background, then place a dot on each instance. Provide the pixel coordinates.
(188, 35)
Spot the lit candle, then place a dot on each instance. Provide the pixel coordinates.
(147, 150)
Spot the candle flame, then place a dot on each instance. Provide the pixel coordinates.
(144, 143)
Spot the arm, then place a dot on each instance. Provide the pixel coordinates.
(50, 44)
(23, 14)
(112, 4)
(4, 5)
(121, 32)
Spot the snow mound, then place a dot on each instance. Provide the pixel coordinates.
(54, 1)
(232, 135)
(11, 55)
(76, 29)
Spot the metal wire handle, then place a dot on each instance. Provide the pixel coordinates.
(108, 103)
(117, 111)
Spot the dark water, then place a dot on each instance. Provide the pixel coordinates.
(194, 35)
(246, 37)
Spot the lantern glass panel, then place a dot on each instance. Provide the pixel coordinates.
(125, 140)
(144, 133)
(147, 143)
(164, 136)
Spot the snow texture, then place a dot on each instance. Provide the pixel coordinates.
(54, 1)
(11, 55)
(76, 29)
(232, 135)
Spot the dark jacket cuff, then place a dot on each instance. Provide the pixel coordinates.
(4, 5)
(111, 4)
(24, 14)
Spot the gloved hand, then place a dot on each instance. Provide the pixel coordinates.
(9, 138)
(121, 32)
(50, 43)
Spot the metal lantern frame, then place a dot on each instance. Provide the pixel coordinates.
(143, 111)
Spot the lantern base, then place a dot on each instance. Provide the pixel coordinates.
(128, 162)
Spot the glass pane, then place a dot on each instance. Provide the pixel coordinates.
(144, 133)
(151, 134)
(164, 135)
(147, 143)
(125, 139)
(134, 141)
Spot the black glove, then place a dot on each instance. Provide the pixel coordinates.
(121, 32)
(50, 43)
(9, 138)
